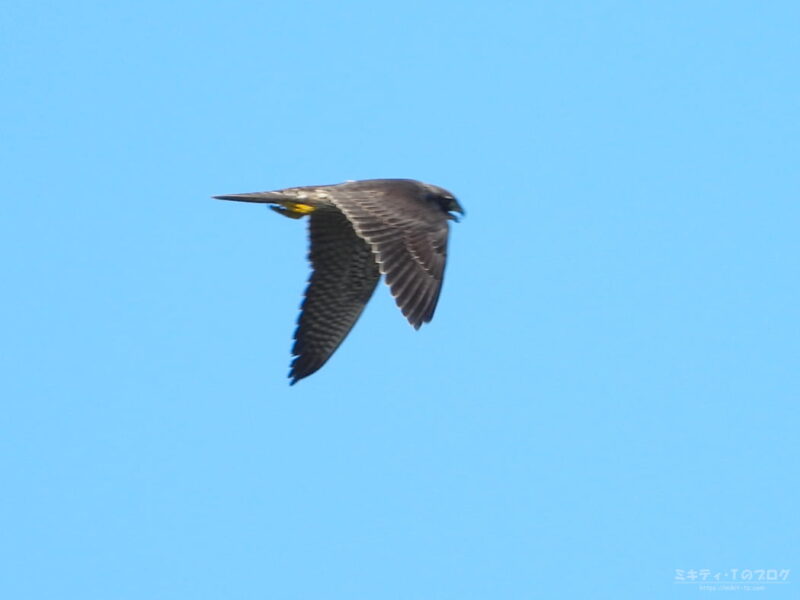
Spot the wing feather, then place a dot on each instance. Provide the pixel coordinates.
(409, 236)
(344, 276)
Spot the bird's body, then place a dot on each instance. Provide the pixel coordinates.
(360, 230)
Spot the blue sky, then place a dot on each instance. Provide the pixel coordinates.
(609, 389)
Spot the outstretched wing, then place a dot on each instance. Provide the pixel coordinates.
(409, 237)
(343, 279)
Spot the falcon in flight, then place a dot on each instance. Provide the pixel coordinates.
(360, 230)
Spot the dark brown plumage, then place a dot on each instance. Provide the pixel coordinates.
(359, 230)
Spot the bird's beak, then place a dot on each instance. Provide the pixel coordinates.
(455, 207)
(261, 197)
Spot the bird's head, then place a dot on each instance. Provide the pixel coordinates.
(446, 201)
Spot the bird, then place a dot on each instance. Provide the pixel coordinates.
(358, 232)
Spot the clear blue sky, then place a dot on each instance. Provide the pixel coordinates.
(609, 390)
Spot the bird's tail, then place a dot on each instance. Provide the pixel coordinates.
(281, 204)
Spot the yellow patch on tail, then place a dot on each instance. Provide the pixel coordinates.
(293, 210)
(297, 207)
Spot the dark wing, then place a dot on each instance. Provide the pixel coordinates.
(409, 237)
(344, 276)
